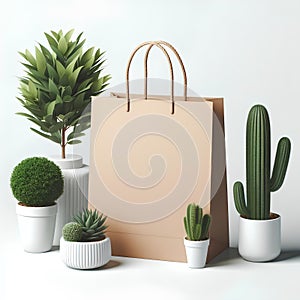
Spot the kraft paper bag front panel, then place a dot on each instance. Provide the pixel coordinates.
(146, 166)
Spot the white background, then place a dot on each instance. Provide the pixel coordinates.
(245, 51)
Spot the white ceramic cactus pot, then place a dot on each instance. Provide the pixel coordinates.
(36, 227)
(196, 253)
(85, 255)
(260, 240)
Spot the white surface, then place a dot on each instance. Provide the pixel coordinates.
(44, 276)
(246, 51)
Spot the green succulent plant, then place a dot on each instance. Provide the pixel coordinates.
(37, 181)
(72, 232)
(260, 183)
(93, 225)
(196, 224)
(58, 86)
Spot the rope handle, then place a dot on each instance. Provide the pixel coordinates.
(159, 45)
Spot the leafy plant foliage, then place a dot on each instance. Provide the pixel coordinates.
(37, 181)
(58, 87)
(93, 225)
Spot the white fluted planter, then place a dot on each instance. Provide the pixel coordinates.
(36, 226)
(196, 253)
(85, 255)
(260, 240)
(74, 198)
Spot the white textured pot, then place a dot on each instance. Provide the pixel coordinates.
(36, 226)
(85, 255)
(74, 198)
(260, 240)
(196, 252)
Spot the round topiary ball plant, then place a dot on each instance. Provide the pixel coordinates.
(37, 181)
(72, 232)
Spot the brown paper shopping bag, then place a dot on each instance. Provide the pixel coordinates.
(150, 157)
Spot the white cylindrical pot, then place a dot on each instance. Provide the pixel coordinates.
(36, 226)
(85, 255)
(260, 240)
(196, 252)
(74, 198)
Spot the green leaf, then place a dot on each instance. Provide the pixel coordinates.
(74, 142)
(70, 67)
(79, 37)
(52, 87)
(46, 53)
(50, 137)
(40, 61)
(24, 114)
(68, 98)
(74, 56)
(52, 72)
(73, 77)
(50, 107)
(97, 85)
(49, 119)
(58, 99)
(83, 90)
(60, 69)
(74, 135)
(69, 35)
(52, 42)
(62, 45)
(30, 57)
(67, 116)
(56, 127)
(87, 56)
(56, 35)
(67, 91)
(32, 89)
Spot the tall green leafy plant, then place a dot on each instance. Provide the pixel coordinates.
(57, 88)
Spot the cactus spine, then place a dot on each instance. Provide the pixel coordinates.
(259, 182)
(196, 224)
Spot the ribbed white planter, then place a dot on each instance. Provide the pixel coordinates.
(196, 252)
(36, 226)
(260, 240)
(74, 199)
(85, 255)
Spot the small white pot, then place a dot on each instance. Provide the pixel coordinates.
(260, 240)
(36, 226)
(85, 255)
(196, 252)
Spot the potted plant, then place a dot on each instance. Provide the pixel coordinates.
(260, 229)
(83, 243)
(197, 240)
(36, 183)
(56, 91)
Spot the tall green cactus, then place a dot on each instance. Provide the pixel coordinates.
(196, 224)
(259, 181)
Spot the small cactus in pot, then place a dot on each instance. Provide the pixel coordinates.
(83, 243)
(197, 240)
